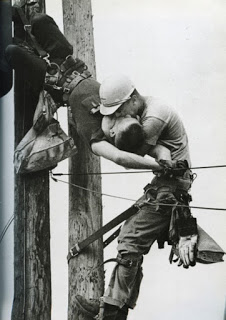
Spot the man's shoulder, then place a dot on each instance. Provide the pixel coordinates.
(157, 108)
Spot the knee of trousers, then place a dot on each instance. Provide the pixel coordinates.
(38, 19)
(15, 54)
(129, 260)
(11, 51)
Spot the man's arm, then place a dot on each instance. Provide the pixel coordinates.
(160, 152)
(122, 158)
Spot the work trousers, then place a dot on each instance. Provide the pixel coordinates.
(137, 235)
(135, 240)
(28, 65)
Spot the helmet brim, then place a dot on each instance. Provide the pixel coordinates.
(107, 111)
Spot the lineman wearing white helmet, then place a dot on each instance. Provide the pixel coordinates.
(120, 101)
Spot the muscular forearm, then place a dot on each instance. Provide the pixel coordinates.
(159, 152)
(133, 161)
(122, 158)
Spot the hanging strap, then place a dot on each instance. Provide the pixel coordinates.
(42, 53)
(78, 247)
(112, 237)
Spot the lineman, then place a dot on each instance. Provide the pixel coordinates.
(161, 125)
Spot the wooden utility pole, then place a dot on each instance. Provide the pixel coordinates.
(85, 208)
(32, 277)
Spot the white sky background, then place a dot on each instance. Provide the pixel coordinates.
(174, 50)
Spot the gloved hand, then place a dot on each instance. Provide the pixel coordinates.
(188, 238)
(187, 250)
(173, 168)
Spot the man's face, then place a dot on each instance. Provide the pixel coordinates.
(128, 108)
(113, 125)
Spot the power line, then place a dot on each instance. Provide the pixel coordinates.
(133, 200)
(130, 172)
(116, 197)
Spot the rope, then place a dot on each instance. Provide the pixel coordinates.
(129, 199)
(130, 172)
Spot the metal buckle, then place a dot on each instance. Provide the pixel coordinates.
(27, 26)
(72, 253)
(66, 90)
(52, 67)
(56, 87)
(76, 246)
(75, 73)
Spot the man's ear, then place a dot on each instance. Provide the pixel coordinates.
(134, 99)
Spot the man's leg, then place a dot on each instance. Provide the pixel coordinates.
(28, 66)
(50, 37)
(137, 236)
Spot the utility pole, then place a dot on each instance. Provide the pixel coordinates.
(32, 276)
(85, 208)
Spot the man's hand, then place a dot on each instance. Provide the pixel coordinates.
(187, 247)
(173, 168)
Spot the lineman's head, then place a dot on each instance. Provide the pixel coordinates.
(125, 133)
(118, 96)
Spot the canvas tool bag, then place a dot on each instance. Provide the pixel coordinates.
(44, 111)
(39, 151)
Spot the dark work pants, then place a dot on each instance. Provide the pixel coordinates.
(28, 64)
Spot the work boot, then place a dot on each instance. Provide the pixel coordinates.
(122, 313)
(108, 312)
(89, 307)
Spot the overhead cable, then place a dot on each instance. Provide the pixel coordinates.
(133, 200)
(129, 172)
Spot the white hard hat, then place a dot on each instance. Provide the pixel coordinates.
(114, 91)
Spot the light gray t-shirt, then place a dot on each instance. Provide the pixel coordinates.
(161, 123)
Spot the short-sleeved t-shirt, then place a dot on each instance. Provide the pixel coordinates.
(161, 123)
(83, 99)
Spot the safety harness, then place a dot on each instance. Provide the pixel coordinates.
(186, 222)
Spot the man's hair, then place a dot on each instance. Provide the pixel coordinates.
(131, 139)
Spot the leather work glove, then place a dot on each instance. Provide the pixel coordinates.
(173, 168)
(188, 239)
(187, 250)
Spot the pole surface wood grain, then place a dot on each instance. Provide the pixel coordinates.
(32, 275)
(85, 209)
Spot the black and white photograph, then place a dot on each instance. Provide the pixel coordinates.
(112, 160)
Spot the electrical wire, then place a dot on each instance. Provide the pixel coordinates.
(133, 200)
(130, 172)
(113, 196)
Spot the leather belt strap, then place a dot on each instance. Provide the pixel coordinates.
(112, 237)
(72, 81)
(78, 247)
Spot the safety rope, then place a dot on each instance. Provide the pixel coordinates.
(130, 172)
(133, 200)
